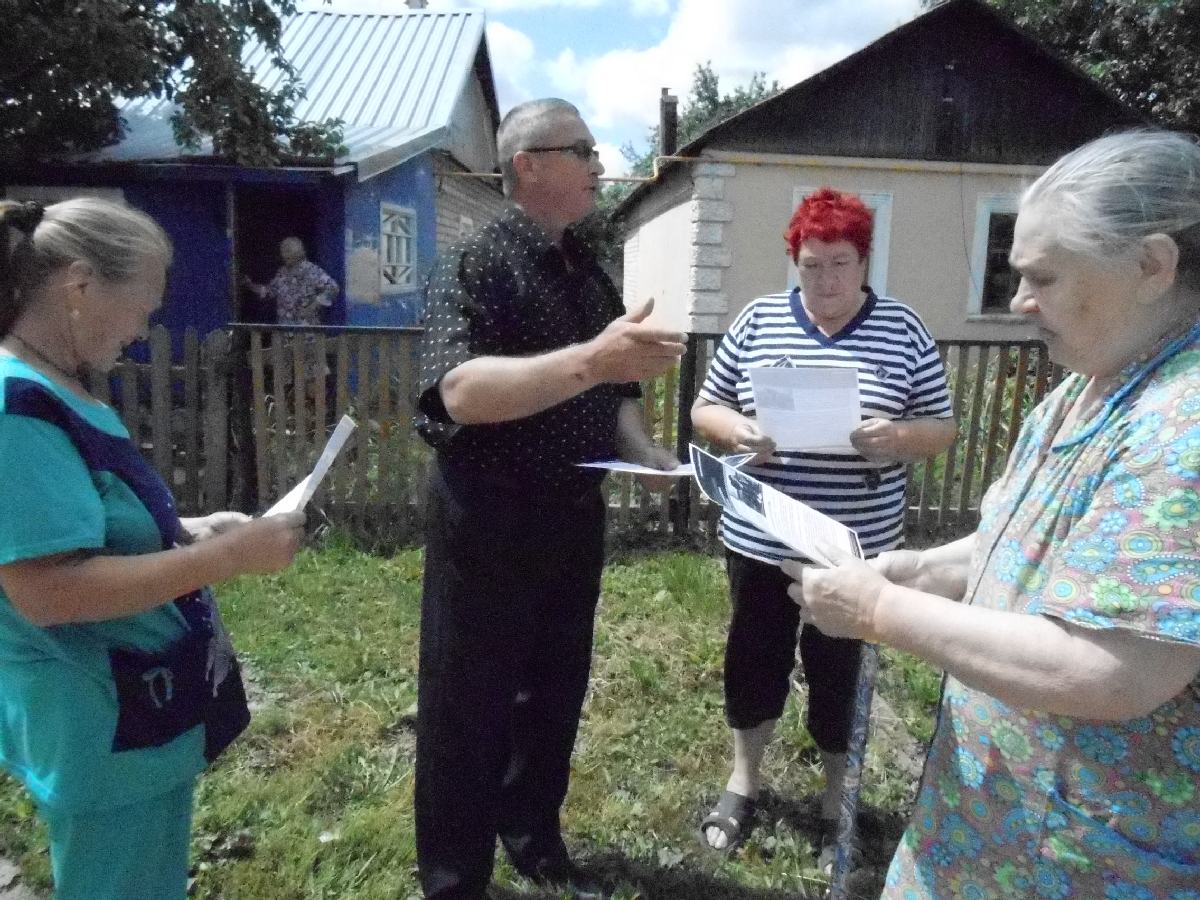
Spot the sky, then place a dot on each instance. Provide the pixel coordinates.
(611, 58)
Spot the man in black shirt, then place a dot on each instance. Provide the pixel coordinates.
(529, 366)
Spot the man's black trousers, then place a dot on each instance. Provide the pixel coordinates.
(511, 583)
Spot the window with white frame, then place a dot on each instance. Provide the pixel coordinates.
(993, 282)
(397, 248)
(880, 204)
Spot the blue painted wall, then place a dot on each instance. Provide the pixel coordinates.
(193, 214)
(328, 245)
(410, 185)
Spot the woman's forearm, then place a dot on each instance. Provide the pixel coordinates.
(924, 438)
(716, 423)
(939, 570)
(1034, 662)
(70, 589)
(948, 566)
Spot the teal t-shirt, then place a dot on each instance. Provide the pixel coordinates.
(58, 701)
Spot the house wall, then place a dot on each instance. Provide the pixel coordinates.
(660, 242)
(195, 217)
(742, 203)
(658, 264)
(472, 134)
(463, 203)
(933, 220)
(410, 185)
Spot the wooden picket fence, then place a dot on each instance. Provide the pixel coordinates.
(993, 385)
(303, 380)
(242, 416)
(178, 413)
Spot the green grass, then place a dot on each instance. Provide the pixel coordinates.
(314, 801)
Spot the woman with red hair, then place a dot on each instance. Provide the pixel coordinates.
(832, 318)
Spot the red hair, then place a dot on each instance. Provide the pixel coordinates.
(830, 216)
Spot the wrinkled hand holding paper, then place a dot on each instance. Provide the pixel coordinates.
(297, 498)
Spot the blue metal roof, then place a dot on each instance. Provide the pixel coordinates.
(394, 79)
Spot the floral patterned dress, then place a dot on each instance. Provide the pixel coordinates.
(300, 291)
(1101, 530)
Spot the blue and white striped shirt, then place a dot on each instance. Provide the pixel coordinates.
(900, 376)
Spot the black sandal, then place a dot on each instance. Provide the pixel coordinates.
(734, 816)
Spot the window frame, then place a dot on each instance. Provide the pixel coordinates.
(403, 213)
(986, 205)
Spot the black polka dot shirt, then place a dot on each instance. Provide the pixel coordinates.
(508, 290)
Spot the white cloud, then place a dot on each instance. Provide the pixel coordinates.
(619, 90)
(612, 160)
(650, 7)
(513, 60)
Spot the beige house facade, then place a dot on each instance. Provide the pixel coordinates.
(721, 245)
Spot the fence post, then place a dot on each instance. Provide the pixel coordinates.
(683, 433)
(215, 364)
(161, 418)
(241, 422)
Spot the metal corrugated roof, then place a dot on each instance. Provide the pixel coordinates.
(393, 79)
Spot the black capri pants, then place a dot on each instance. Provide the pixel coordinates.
(760, 654)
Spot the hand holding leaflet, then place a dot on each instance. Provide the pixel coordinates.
(297, 498)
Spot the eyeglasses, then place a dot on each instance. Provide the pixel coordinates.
(580, 149)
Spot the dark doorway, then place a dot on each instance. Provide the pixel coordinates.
(265, 216)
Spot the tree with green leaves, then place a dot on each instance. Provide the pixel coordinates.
(1146, 52)
(704, 107)
(64, 64)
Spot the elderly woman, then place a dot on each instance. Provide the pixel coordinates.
(832, 318)
(300, 289)
(1067, 752)
(117, 683)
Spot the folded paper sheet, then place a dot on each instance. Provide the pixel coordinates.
(807, 407)
(785, 518)
(297, 498)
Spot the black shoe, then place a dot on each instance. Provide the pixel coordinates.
(569, 878)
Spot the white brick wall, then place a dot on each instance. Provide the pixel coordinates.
(710, 211)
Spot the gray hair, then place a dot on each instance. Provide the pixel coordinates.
(524, 128)
(1111, 193)
(115, 239)
(295, 243)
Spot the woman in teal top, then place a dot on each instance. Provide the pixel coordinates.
(117, 683)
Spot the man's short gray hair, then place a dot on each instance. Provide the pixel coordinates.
(1114, 191)
(526, 126)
